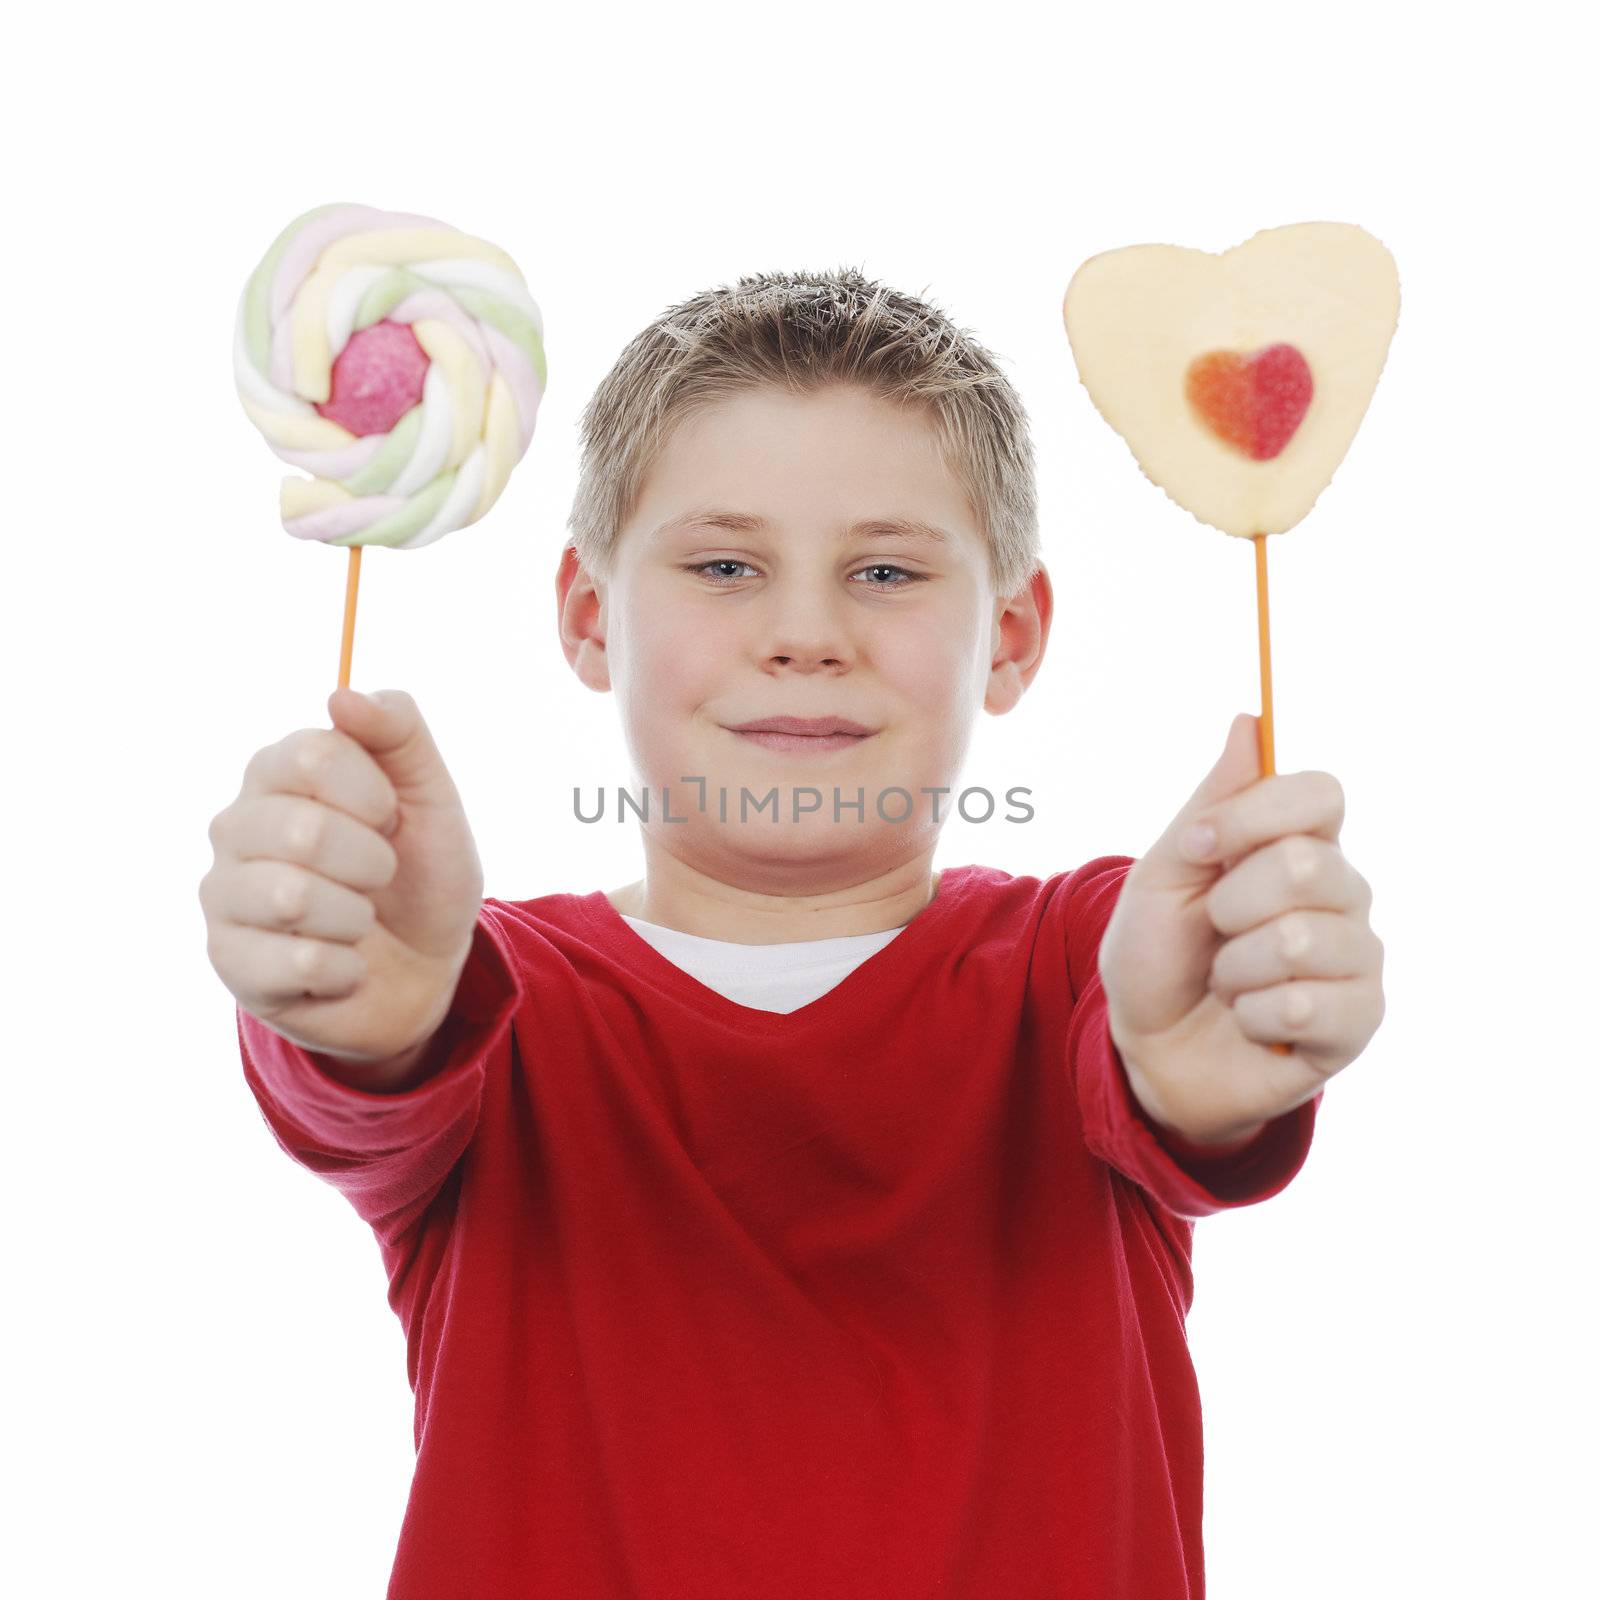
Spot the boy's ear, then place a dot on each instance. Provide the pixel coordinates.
(1021, 627)
(581, 621)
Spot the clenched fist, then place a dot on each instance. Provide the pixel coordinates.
(341, 904)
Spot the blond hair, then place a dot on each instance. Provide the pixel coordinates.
(802, 331)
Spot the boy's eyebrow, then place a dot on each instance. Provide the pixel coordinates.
(867, 527)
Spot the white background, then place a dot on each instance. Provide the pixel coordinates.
(205, 1388)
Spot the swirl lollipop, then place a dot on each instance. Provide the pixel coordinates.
(1238, 380)
(399, 361)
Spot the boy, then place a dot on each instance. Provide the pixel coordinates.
(796, 1221)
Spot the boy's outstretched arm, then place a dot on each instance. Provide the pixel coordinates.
(394, 1076)
(1213, 954)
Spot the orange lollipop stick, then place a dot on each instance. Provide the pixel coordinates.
(1260, 542)
(351, 583)
(1262, 630)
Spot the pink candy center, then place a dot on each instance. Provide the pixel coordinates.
(377, 378)
(1255, 402)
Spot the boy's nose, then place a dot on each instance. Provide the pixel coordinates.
(807, 663)
(811, 645)
(807, 636)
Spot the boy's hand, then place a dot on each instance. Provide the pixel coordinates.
(1204, 965)
(341, 906)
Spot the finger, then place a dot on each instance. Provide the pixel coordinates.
(285, 898)
(291, 827)
(329, 766)
(1298, 944)
(1285, 803)
(1330, 1020)
(391, 729)
(266, 969)
(1300, 873)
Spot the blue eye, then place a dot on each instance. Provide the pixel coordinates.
(910, 577)
(726, 561)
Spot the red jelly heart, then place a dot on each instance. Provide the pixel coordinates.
(377, 378)
(1254, 403)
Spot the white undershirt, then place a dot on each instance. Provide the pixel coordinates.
(768, 977)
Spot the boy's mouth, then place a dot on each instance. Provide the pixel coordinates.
(804, 734)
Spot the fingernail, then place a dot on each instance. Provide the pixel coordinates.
(1199, 842)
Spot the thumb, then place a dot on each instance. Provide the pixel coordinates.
(1236, 768)
(389, 727)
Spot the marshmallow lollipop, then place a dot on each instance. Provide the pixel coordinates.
(1238, 380)
(401, 363)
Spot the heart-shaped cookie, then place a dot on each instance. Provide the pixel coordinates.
(1238, 380)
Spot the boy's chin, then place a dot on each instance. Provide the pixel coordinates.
(764, 844)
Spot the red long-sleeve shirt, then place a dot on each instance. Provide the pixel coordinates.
(879, 1299)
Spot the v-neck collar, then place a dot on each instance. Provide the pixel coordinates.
(667, 974)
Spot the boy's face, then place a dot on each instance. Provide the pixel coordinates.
(701, 628)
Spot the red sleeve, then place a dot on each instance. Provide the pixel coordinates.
(1187, 1181)
(389, 1154)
